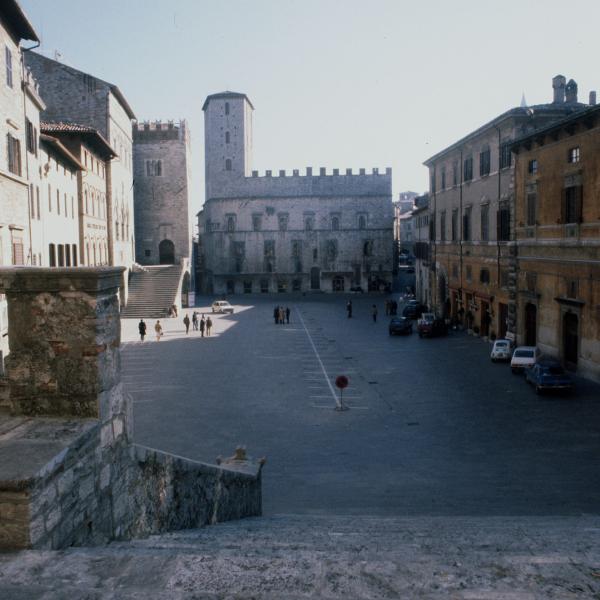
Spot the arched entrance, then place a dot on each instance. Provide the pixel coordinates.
(315, 278)
(166, 252)
(530, 324)
(570, 339)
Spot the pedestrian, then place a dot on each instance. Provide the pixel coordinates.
(394, 307)
(158, 330)
(349, 308)
(287, 315)
(195, 321)
(276, 315)
(387, 308)
(281, 315)
(208, 325)
(202, 325)
(374, 313)
(186, 322)
(142, 329)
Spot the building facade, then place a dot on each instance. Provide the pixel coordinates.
(421, 248)
(312, 232)
(557, 192)
(161, 157)
(473, 256)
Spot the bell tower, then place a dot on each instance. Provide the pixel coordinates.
(227, 141)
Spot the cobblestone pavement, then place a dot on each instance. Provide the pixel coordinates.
(434, 427)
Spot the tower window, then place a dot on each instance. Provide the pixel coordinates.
(226, 108)
(227, 137)
(573, 155)
(228, 164)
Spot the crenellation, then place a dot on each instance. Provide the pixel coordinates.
(322, 171)
(282, 173)
(336, 172)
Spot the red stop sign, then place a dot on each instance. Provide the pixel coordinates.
(341, 381)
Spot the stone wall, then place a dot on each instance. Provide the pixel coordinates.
(69, 473)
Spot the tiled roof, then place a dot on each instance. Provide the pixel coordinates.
(72, 127)
(91, 134)
(58, 147)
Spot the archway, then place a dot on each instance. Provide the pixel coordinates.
(530, 324)
(570, 339)
(166, 252)
(315, 278)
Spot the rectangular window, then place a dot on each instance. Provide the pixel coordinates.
(532, 166)
(467, 225)
(531, 208)
(572, 204)
(443, 182)
(484, 162)
(18, 255)
(74, 254)
(14, 154)
(573, 155)
(484, 276)
(454, 270)
(454, 225)
(37, 201)
(504, 278)
(49, 198)
(52, 255)
(572, 288)
(443, 226)
(468, 169)
(296, 285)
(455, 173)
(433, 183)
(61, 255)
(31, 201)
(504, 224)
(264, 286)
(469, 272)
(31, 133)
(58, 202)
(283, 222)
(505, 156)
(247, 287)
(485, 223)
(9, 66)
(256, 222)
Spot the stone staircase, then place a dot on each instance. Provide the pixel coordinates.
(152, 291)
(288, 557)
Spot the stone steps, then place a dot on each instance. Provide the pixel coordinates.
(152, 291)
(308, 556)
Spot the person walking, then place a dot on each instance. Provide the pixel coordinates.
(276, 315)
(281, 315)
(158, 330)
(142, 329)
(195, 321)
(349, 308)
(287, 315)
(202, 325)
(186, 322)
(374, 313)
(208, 325)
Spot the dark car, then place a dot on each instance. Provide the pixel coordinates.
(413, 310)
(400, 326)
(357, 289)
(548, 374)
(430, 326)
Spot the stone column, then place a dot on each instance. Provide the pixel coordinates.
(64, 337)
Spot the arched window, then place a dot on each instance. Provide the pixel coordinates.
(228, 164)
(85, 195)
(362, 222)
(227, 137)
(226, 108)
(335, 223)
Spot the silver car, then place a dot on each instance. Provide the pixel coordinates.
(222, 306)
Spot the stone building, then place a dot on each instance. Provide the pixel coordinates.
(473, 262)
(161, 160)
(295, 232)
(19, 106)
(421, 249)
(72, 96)
(557, 201)
(93, 153)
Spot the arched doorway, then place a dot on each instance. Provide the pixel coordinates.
(166, 252)
(570, 339)
(315, 278)
(530, 324)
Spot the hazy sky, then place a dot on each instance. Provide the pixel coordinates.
(335, 83)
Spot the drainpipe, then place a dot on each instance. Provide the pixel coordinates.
(460, 237)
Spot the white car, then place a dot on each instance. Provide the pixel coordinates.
(523, 358)
(500, 350)
(222, 306)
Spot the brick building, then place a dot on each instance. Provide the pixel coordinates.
(295, 232)
(557, 192)
(473, 260)
(161, 157)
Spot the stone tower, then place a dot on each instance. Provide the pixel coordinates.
(161, 192)
(227, 139)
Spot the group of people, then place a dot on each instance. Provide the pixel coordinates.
(374, 310)
(391, 307)
(202, 324)
(281, 315)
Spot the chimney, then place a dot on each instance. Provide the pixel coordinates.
(558, 85)
(571, 91)
(592, 98)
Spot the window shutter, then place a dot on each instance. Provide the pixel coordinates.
(563, 206)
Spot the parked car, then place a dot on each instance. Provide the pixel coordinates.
(357, 288)
(500, 350)
(430, 325)
(548, 374)
(400, 326)
(408, 269)
(222, 306)
(413, 310)
(523, 358)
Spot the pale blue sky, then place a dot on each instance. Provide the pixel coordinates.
(342, 83)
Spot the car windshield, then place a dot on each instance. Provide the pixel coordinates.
(428, 317)
(501, 344)
(524, 353)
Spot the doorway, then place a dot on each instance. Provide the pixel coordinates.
(166, 252)
(338, 283)
(570, 339)
(315, 278)
(530, 324)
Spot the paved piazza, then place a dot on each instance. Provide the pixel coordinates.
(434, 428)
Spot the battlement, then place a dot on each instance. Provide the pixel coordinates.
(149, 131)
(282, 173)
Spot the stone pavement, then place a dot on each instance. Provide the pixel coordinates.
(296, 557)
